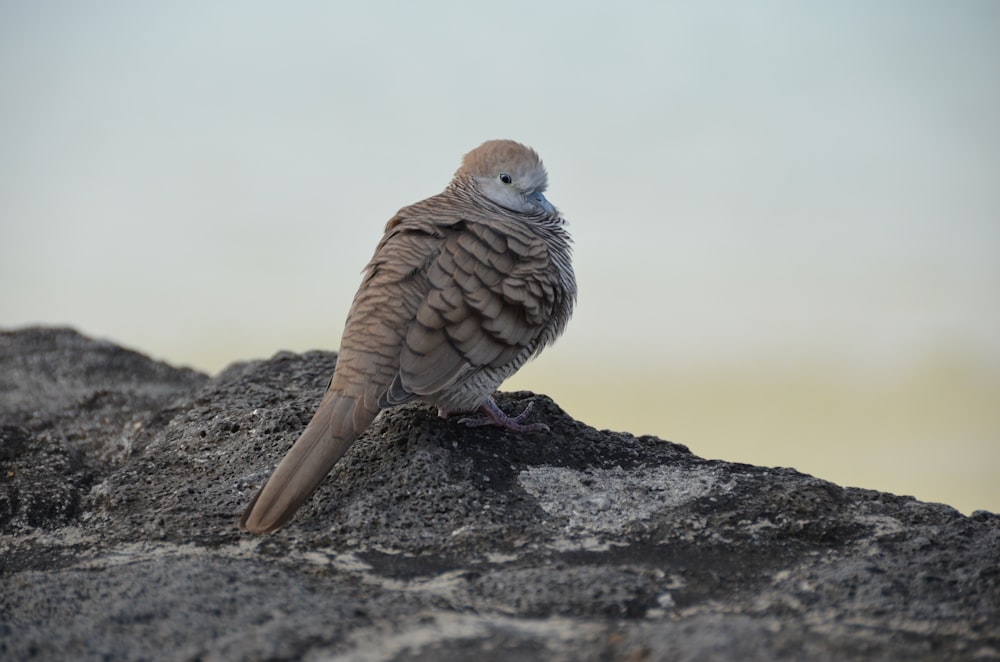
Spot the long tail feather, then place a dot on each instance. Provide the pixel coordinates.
(336, 424)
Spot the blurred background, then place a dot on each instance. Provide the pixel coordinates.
(787, 215)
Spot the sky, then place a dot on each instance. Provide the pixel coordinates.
(773, 183)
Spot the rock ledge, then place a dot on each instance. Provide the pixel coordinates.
(121, 479)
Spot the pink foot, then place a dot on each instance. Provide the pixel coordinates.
(491, 414)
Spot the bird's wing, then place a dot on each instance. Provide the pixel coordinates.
(490, 292)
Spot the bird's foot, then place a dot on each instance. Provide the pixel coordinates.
(491, 414)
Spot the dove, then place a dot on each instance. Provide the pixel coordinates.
(463, 289)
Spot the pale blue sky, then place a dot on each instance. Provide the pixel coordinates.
(205, 181)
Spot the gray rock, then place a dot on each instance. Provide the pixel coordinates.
(121, 480)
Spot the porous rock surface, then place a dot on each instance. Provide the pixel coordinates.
(121, 480)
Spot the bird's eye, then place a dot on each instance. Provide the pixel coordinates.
(505, 178)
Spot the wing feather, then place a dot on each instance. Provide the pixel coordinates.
(485, 305)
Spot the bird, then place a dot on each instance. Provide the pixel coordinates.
(464, 288)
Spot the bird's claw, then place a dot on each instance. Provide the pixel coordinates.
(491, 414)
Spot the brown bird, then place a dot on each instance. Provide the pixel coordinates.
(464, 287)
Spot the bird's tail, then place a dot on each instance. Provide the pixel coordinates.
(338, 421)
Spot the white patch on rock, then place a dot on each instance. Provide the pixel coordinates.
(605, 502)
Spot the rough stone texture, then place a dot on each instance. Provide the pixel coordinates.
(122, 479)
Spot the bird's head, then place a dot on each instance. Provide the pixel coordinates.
(509, 174)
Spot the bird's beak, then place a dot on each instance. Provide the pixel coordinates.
(543, 202)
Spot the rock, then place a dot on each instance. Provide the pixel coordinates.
(71, 410)
(122, 479)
